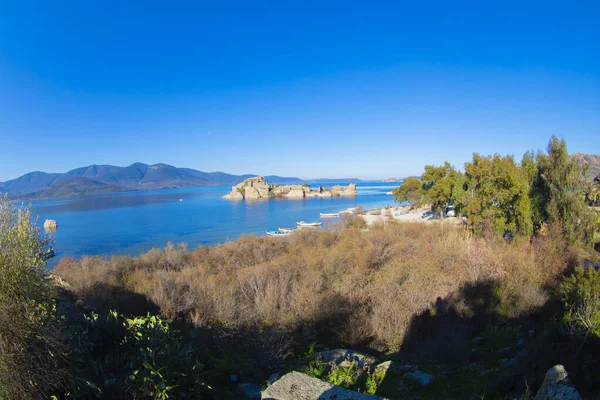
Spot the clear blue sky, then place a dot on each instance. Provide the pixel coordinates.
(311, 89)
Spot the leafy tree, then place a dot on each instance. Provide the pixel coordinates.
(438, 185)
(561, 188)
(410, 191)
(498, 200)
(30, 340)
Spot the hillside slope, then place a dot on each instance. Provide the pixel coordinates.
(592, 160)
(76, 186)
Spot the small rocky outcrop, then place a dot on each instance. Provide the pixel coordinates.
(349, 190)
(299, 386)
(257, 188)
(50, 224)
(344, 357)
(556, 386)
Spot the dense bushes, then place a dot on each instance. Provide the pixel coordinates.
(30, 345)
(350, 286)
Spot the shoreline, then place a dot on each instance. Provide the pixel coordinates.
(405, 214)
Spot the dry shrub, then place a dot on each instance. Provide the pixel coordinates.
(351, 285)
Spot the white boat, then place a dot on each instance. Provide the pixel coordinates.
(332, 215)
(278, 233)
(389, 193)
(308, 224)
(286, 229)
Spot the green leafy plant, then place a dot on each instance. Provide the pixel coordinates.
(580, 293)
(142, 356)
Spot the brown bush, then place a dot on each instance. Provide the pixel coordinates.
(351, 285)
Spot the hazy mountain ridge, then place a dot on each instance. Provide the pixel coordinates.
(74, 186)
(593, 160)
(96, 179)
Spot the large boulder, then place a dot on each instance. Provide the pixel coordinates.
(349, 190)
(251, 193)
(50, 224)
(295, 194)
(251, 189)
(299, 386)
(556, 386)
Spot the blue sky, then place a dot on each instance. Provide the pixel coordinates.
(309, 89)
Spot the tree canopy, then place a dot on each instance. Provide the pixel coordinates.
(498, 196)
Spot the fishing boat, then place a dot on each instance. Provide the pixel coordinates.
(389, 193)
(278, 233)
(332, 215)
(286, 229)
(303, 224)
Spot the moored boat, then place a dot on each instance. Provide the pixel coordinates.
(286, 229)
(331, 215)
(278, 233)
(308, 224)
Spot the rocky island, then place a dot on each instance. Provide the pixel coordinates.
(257, 188)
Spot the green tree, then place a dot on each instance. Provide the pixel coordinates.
(438, 185)
(498, 196)
(561, 188)
(30, 345)
(410, 191)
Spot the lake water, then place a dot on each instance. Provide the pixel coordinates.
(133, 222)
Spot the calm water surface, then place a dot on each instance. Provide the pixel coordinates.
(134, 222)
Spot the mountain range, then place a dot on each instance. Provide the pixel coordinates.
(96, 179)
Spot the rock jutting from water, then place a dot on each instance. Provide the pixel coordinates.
(257, 188)
(50, 225)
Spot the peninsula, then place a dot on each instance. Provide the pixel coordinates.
(257, 188)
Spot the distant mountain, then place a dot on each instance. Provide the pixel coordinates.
(96, 179)
(593, 160)
(75, 186)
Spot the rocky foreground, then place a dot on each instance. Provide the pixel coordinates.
(257, 188)
(405, 380)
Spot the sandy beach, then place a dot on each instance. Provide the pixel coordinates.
(404, 214)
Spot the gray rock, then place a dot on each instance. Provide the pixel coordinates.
(249, 390)
(476, 340)
(392, 367)
(50, 224)
(556, 386)
(419, 377)
(344, 357)
(299, 386)
(273, 378)
(520, 342)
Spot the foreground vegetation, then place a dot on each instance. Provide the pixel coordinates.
(484, 313)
